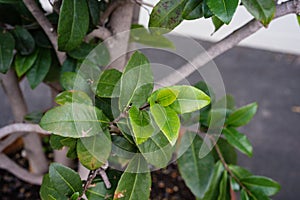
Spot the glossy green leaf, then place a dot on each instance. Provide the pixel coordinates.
(228, 152)
(40, 68)
(217, 23)
(41, 39)
(109, 84)
(73, 81)
(73, 96)
(196, 171)
(25, 43)
(94, 151)
(205, 9)
(223, 9)
(124, 126)
(189, 99)
(48, 191)
(7, 45)
(55, 141)
(166, 96)
(74, 120)
(141, 35)
(261, 184)
(167, 120)
(238, 140)
(244, 195)
(167, 14)
(192, 10)
(136, 82)
(224, 190)
(134, 186)
(242, 116)
(239, 172)
(65, 180)
(94, 10)
(82, 51)
(24, 63)
(73, 24)
(262, 10)
(141, 124)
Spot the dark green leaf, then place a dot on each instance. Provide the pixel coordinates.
(192, 10)
(262, 10)
(55, 141)
(7, 45)
(238, 140)
(195, 171)
(94, 151)
(73, 96)
(244, 195)
(65, 180)
(109, 84)
(224, 190)
(217, 23)
(25, 43)
(69, 65)
(40, 68)
(75, 196)
(167, 120)
(228, 152)
(9, 1)
(223, 9)
(105, 104)
(48, 191)
(74, 120)
(94, 8)
(82, 51)
(73, 81)
(242, 116)
(24, 63)
(34, 117)
(261, 184)
(167, 14)
(239, 172)
(205, 9)
(73, 24)
(42, 40)
(136, 82)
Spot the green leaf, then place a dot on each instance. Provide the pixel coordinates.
(242, 116)
(48, 191)
(167, 120)
(134, 186)
(40, 68)
(94, 10)
(25, 43)
(74, 120)
(55, 141)
(69, 65)
(75, 196)
(7, 45)
(73, 81)
(167, 14)
(34, 117)
(192, 10)
(73, 24)
(244, 195)
(136, 82)
(82, 51)
(205, 9)
(262, 10)
(189, 99)
(239, 172)
(223, 9)
(195, 171)
(73, 96)
(24, 63)
(261, 184)
(94, 151)
(9, 1)
(238, 140)
(166, 96)
(65, 180)
(109, 84)
(228, 152)
(141, 124)
(224, 190)
(141, 35)
(298, 18)
(217, 23)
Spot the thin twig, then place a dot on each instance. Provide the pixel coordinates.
(225, 44)
(101, 33)
(21, 127)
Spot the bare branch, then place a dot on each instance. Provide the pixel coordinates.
(21, 127)
(110, 9)
(9, 165)
(9, 140)
(46, 26)
(227, 43)
(101, 33)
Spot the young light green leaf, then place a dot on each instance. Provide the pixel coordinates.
(65, 180)
(73, 96)
(136, 82)
(242, 116)
(189, 99)
(94, 151)
(141, 124)
(74, 120)
(192, 10)
(40, 68)
(166, 96)
(7, 45)
(262, 10)
(167, 120)
(48, 191)
(217, 23)
(109, 84)
(73, 24)
(25, 43)
(196, 172)
(224, 190)
(238, 140)
(167, 14)
(133, 186)
(261, 184)
(223, 9)
(24, 63)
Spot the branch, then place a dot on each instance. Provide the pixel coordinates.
(21, 127)
(101, 33)
(46, 26)
(9, 165)
(110, 9)
(227, 43)
(9, 140)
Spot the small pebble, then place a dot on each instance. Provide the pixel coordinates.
(161, 184)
